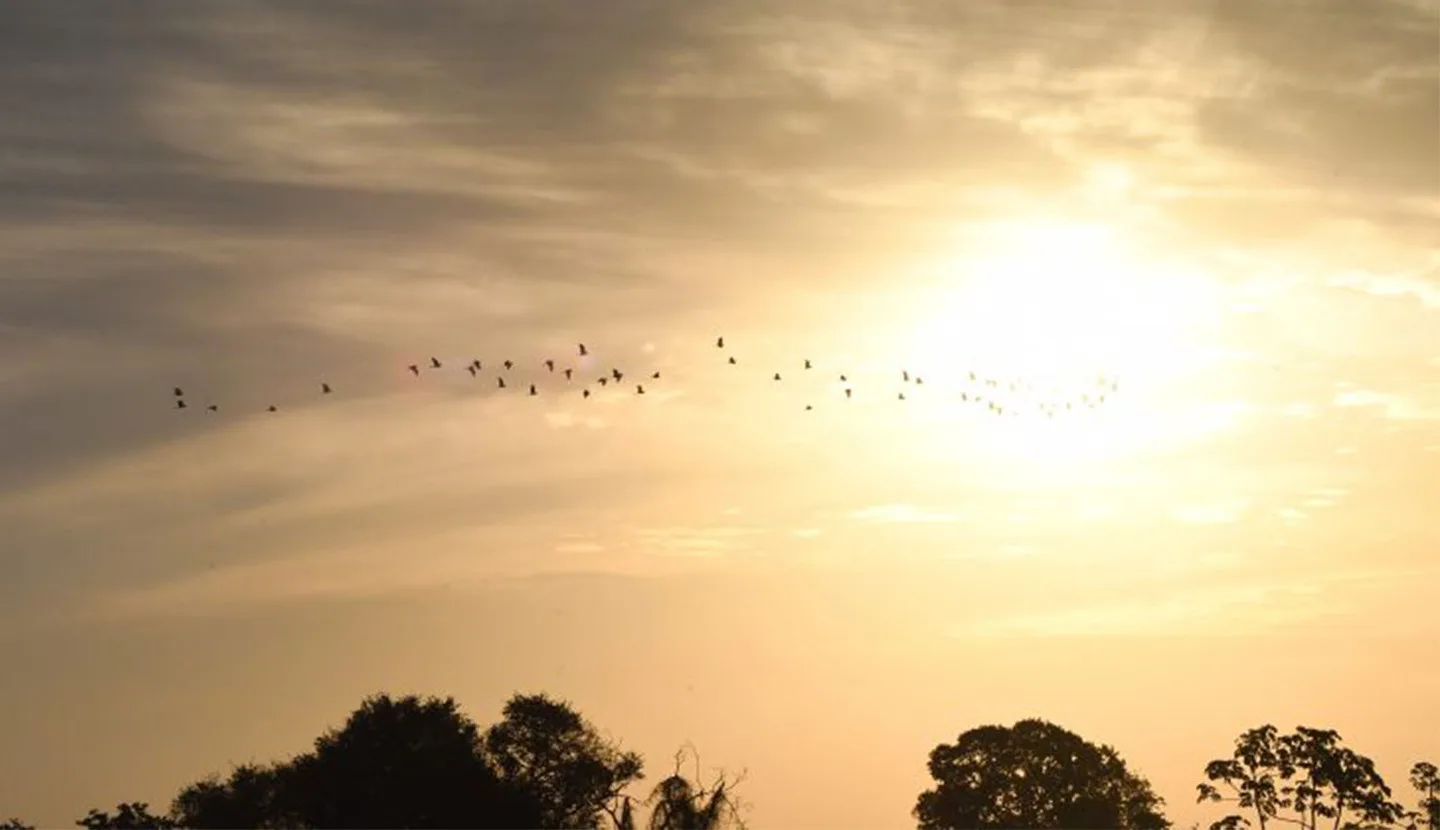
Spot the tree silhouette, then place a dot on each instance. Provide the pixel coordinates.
(403, 762)
(1425, 778)
(545, 748)
(253, 796)
(1307, 772)
(133, 815)
(13, 823)
(1035, 774)
(678, 804)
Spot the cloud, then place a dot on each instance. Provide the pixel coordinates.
(1220, 512)
(901, 514)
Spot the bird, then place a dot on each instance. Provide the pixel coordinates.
(476, 364)
(434, 363)
(502, 382)
(585, 393)
(603, 380)
(415, 370)
(508, 364)
(720, 342)
(213, 407)
(808, 407)
(732, 361)
(568, 373)
(919, 381)
(532, 390)
(843, 379)
(807, 364)
(272, 408)
(550, 365)
(639, 389)
(655, 376)
(617, 374)
(847, 393)
(902, 396)
(583, 350)
(325, 388)
(471, 370)
(905, 375)
(777, 375)
(180, 404)
(179, 392)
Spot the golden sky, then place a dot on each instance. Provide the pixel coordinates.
(1230, 205)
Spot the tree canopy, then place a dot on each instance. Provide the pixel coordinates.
(1035, 774)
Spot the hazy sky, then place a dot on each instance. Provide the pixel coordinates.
(1232, 205)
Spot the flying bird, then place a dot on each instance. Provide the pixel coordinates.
(272, 408)
(843, 379)
(777, 375)
(434, 363)
(415, 370)
(471, 370)
(617, 374)
(655, 376)
(807, 364)
(808, 407)
(905, 375)
(585, 393)
(604, 380)
(179, 392)
(179, 404)
(902, 396)
(550, 365)
(568, 373)
(639, 389)
(508, 364)
(325, 388)
(532, 390)
(732, 361)
(847, 393)
(719, 342)
(502, 382)
(583, 350)
(213, 407)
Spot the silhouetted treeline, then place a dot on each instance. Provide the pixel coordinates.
(421, 763)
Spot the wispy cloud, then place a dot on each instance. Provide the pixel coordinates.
(901, 514)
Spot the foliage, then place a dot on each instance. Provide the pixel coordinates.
(133, 815)
(1308, 773)
(1035, 774)
(13, 823)
(1425, 778)
(679, 804)
(544, 747)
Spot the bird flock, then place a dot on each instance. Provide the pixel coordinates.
(994, 395)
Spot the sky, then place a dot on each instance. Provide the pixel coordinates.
(1229, 207)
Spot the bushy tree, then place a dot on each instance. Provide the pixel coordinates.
(1035, 774)
(678, 803)
(134, 815)
(544, 747)
(13, 823)
(1298, 778)
(1425, 778)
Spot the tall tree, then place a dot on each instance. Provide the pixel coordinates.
(1425, 778)
(1307, 773)
(677, 803)
(1035, 774)
(545, 748)
(252, 796)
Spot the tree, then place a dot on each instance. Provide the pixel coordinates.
(403, 762)
(133, 815)
(1425, 778)
(545, 748)
(13, 823)
(253, 796)
(678, 804)
(1035, 774)
(1307, 772)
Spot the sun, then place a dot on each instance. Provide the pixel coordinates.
(1058, 314)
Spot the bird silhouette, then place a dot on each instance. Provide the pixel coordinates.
(272, 408)
(639, 389)
(550, 365)
(732, 361)
(501, 382)
(919, 381)
(213, 407)
(807, 364)
(434, 363)
(808, 407)
(179, 404)
(585, 393)
(902, 396)
(905, 375)
(843, 379)
(777, 375)
(719, 342)
(568, 373)
(655, 376)
(847, 393)
(476, 364)
(617, 374)
(508, 364)
(414, 370)
(325, 388)
(532, 390)
(179, 392)
(603, 380)
(583, 350)
(471, 370)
